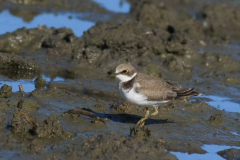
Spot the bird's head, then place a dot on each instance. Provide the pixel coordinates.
(125, 72)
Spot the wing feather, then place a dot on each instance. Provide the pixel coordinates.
(156, 89)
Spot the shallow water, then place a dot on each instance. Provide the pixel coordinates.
(76, 21)
(223, 103)
(10, 23)
(27, 84)
(212, 153)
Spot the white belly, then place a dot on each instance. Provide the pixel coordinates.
(137, 98)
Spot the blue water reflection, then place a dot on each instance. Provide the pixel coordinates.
(10, 23)
(120, 6)
(223, 103)
(210, 155)
(28, 84)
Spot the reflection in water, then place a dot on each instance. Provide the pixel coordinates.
(235, 133)
(223, 103)
(28, 84)
(10, 23)
(212, 153)
(121, 6)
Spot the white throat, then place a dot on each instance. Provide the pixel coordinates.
(124, 78)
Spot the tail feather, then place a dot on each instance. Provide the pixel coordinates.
(187, 92)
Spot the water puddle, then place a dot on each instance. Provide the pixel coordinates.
(10, 23)
(120, 6)
(235, 133)
(73, 20)
(210, 155)
(28, 84)
(223, 103)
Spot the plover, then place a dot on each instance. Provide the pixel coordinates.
(144, 90)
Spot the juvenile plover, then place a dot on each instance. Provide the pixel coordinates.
(144, 90)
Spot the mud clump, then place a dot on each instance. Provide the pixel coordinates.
(123, 107)
(5, 91)
(57, 43)
(230, 154)
(49, 128)
(28, 105)
(217, 118)
(142, 132)
(119, 147)
(40, 82)
(121, 43)
(21, 122)
(18, 63)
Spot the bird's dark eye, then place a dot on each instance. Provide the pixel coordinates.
(125, 71)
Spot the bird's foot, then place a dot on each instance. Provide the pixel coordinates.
(141, 122)
(155, 112)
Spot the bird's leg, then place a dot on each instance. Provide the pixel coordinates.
(141, 122)
(155, 112)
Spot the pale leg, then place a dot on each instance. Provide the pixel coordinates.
(141, 122)
(155, 112)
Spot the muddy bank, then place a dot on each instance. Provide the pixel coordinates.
(159, 39)
(180, 126)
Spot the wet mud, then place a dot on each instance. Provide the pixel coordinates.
(230, 153)
(84, 116)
